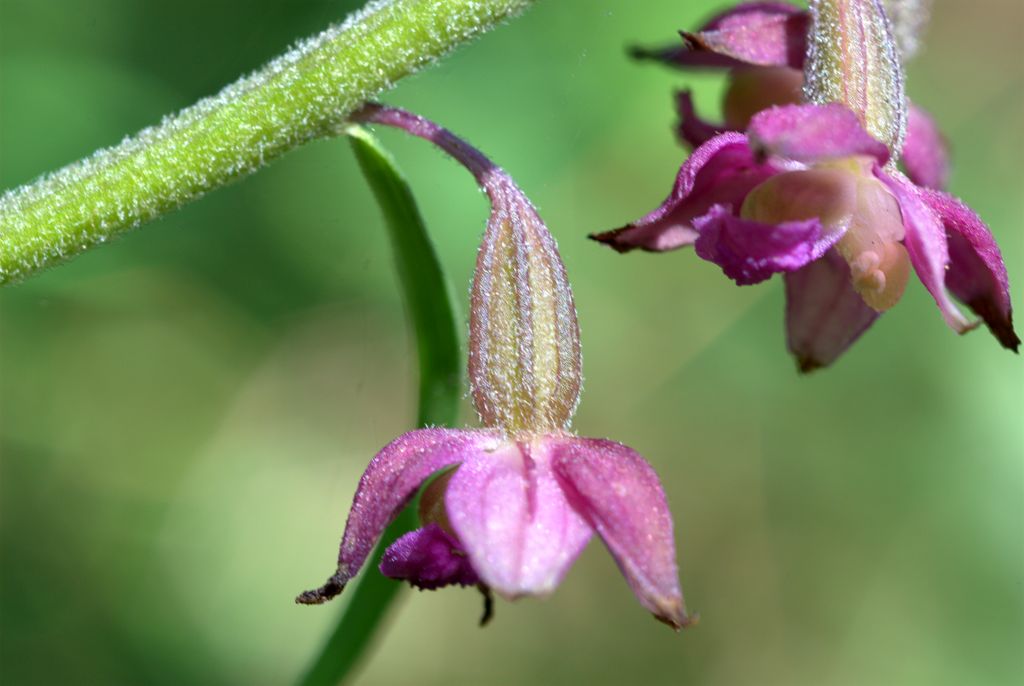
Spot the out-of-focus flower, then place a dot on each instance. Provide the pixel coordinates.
(810, 191)
(519, 499)
(763, 45)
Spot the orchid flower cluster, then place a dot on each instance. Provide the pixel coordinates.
(801, 178)
(517, 501)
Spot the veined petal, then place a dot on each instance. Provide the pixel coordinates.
(692, 129)
(926, 244)
(813, 133)
(824, 314)
(750, 252)
(757, 33)
(428, 558)
(925, 154)
(977, 275)
(852, 59)
(390, 480)
(515, 524)
(721, 171)
(620, 495)
(525, 367)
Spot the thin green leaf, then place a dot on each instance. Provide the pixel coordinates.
(429, 305)
(426, 291)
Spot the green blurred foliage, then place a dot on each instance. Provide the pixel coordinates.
(185, 412)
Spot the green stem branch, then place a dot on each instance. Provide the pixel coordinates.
(432, 316)
(299, 96)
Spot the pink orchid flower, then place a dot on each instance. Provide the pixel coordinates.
(763, 46)
(811, 190)
(806, 192)
(517, 500)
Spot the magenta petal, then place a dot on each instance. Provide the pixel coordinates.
(926, 245)
(391, 479)
(692, 129)
(428, 558)
(749, 252)
(515, 524)
(977, 275)
(621, 496)
(812, 133)
(758, 33)
(824, 315)
(765, 33)
(925, 155)
(721, 171)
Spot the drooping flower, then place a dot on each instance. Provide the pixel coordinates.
(810, 191)
(517, 500)
(763, 45)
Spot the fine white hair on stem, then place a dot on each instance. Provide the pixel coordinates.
(293, 99)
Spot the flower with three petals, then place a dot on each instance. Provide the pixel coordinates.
(811, 190)
(516, 501)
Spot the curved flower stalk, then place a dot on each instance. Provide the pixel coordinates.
(520, 498)
(763, 46)
(810, 191)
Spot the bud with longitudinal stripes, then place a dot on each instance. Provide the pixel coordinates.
(853, 60)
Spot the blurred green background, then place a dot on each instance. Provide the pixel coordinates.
(185, 412)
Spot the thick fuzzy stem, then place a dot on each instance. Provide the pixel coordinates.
(299, 96)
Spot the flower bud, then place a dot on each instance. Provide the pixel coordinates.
(525, 367)
(524, 349)
(853, 59)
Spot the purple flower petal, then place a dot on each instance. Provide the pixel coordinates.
(925, 155)
(509, 512)
(721, 171)
(621, 496)
(812, 133)
(390, 480)
(758, 33)
(750, 252)
(692, 129)
(428, 558)
(824, 314)
(977, 275)
(765, 32)
(926, 244)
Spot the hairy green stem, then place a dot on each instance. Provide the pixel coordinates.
(299, 96)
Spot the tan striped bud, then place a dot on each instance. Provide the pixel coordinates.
(853, 59)
(525, 365)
